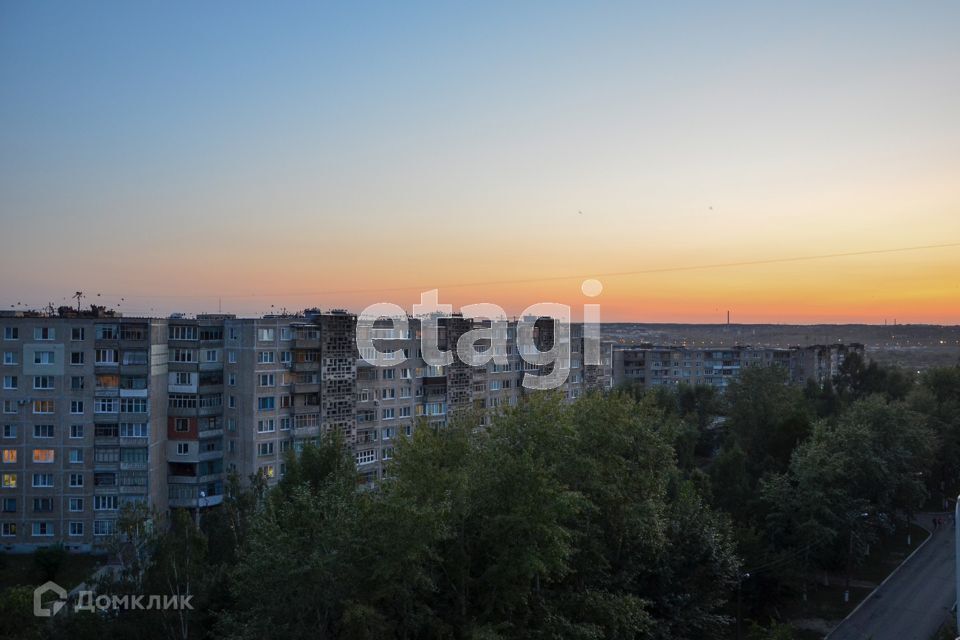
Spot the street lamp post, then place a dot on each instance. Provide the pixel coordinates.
(203, 495)
(740, 578)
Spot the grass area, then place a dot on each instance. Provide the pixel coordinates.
(19, 569)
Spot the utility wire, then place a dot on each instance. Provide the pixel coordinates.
(612, 274)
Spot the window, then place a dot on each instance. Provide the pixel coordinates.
(76, 456)
(408, 430)
(106, 405)
(43, 431)
(76, 528)
(181, 425)
(183, 448)
(76, 479)
(267, 380)
(77, 333)
(9, 456)
(134, 357)
(43, 357)
(42, 528)
(266, 426)
(232, 379)
(105, 431)
(76, 504)
(8, 529)
(106, 357)
(11, 333)
(232, 357)
(286, 357)
(9, 382)
(42, 505)
(212, 355)
(44, 333)
(389, 374)
(105, 503)
(43, 456)
(284, 424)
(364, 457)
(9, 357)
(182, 378)
(404, 412)
(181, 401)
(43, 382)
(43, 480)
(76, 407)
(388, 432)
(76, 382)
(183, 355)
(181, 332)
(76, 431)
(106, 454)
(9, 481)
(107, 332)
(76, 357)
(9, 406)
(265, 335)
(9, 431)
(265, 449)
(103, 527)
(133, 405)
(388, 394)
(136, 429)
(265, 357)
(388, 414)
(8, 505)
(266, 403)
(44, 406)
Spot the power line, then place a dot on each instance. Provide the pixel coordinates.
(613, 274)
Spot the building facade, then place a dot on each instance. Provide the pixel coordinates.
(100, 410)
(651, 366)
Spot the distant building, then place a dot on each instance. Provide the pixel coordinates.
(651, 366)
(98, 410)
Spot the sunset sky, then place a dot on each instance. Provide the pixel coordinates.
(187, 156)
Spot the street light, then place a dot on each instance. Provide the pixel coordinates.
(740, 578)
(203, 495)
(846, 591)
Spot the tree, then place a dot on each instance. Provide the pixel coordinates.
(49, 560)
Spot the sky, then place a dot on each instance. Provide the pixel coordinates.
(252, 157)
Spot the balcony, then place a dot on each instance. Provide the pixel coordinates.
(306, 366)
(305, 387)
(306, 343)
(306, 409)
(306, 432)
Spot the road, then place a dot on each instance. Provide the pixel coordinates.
(913, 602)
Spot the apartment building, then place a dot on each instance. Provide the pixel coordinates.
(80, 398)
(99, 410)
(652, 366)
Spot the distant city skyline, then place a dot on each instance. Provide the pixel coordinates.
(229, 156)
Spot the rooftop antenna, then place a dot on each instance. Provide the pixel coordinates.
(78, 295)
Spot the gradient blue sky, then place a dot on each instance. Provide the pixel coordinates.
(268, 153)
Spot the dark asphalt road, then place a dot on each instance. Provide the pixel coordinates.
(913, 603)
